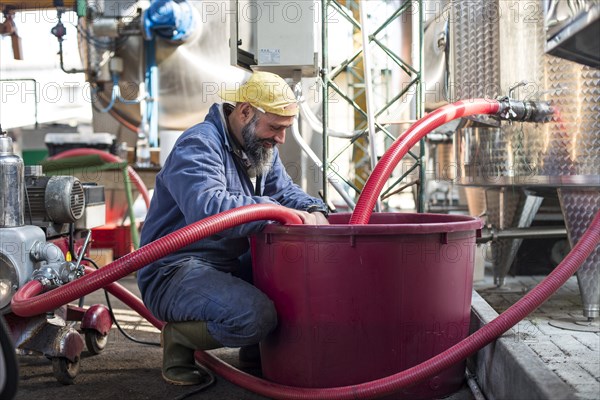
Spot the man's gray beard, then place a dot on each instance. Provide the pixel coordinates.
(260, 157)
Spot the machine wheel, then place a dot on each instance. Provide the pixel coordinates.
(64, 370)
(95, 341)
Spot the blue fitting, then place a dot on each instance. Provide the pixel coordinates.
(169, 19)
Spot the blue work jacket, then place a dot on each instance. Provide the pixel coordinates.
(200, 178)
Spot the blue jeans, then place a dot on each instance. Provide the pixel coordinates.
(236, 312)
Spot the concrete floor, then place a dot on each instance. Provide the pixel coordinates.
(127, 370)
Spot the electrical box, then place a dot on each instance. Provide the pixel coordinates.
(279, 37)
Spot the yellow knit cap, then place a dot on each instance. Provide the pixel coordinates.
(267, 92)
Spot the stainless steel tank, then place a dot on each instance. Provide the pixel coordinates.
(496, 45)
(11, 185)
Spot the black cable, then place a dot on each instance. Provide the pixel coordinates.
(201, 388)
(112, 314)
(71, 239)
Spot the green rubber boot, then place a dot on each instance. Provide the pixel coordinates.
(180, 340)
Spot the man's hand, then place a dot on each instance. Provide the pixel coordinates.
(314, 218)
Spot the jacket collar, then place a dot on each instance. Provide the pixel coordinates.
(218, 116)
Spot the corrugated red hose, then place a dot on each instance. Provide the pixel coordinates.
(460, 351)
(401, 146)
(25, 302)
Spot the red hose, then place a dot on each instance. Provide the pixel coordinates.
(385, 166)
(135, 178)
(25, 303)
(33, 288)
(458, 352)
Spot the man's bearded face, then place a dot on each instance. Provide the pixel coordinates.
(259, 151)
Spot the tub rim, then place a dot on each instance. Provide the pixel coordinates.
(417, 224)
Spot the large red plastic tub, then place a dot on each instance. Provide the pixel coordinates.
(361, 302)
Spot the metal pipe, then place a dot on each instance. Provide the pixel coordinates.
(368, 91)
(472, 383)
(311, 154)
(317, 126)
(150, 125)
(62, 64)
(83, 249)
(443, 209)
(418, 18)
(534, 232)
(325, 92)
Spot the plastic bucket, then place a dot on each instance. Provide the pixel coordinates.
(361, 302)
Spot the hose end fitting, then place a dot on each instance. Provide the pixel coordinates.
(524, 111)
